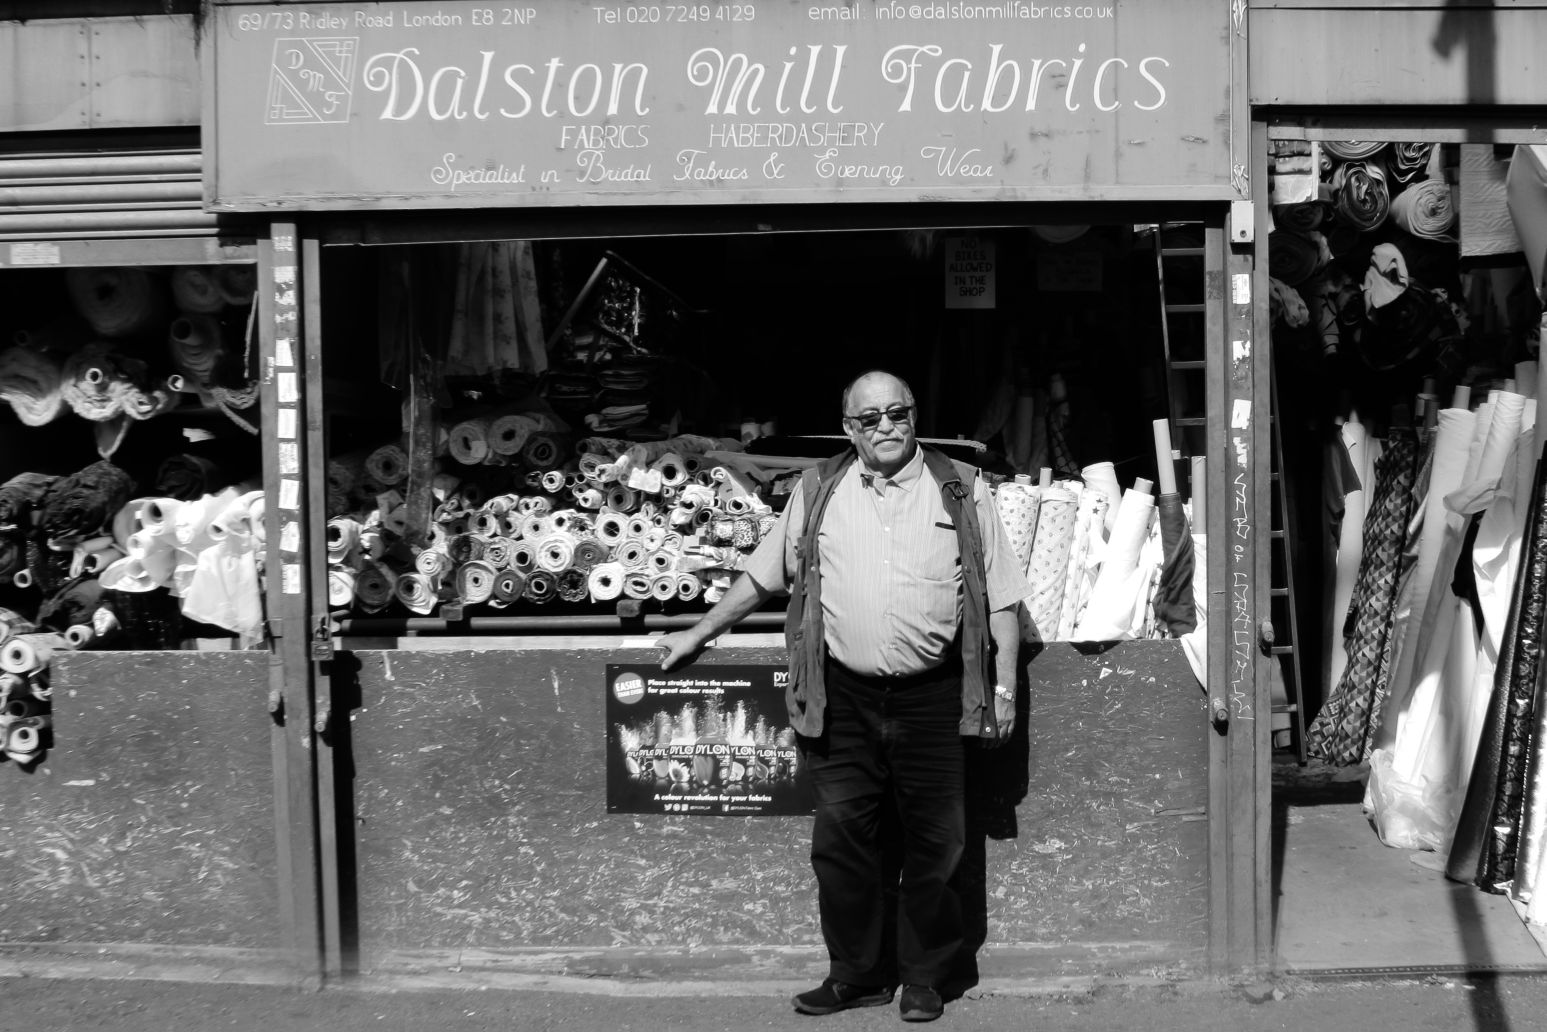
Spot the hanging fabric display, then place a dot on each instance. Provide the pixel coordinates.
(1342, 732)
(1118, 592)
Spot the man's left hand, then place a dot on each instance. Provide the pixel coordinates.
(1004, 714)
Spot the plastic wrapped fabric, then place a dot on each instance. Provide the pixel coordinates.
(224, 589)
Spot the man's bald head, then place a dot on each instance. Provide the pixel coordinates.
(875, 378)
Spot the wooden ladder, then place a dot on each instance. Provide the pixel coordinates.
(1179, 268)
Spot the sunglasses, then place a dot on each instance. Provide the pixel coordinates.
(898, 414)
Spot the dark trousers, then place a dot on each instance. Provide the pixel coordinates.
(890, 746)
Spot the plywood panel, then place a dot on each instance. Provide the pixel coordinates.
(480, 795)
(151, 818)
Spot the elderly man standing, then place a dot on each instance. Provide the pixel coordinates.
(903, 638)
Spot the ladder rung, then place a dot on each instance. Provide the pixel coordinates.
(1180, 309)
(1191, 421)
(1182, 252)
(1278, 592)
(1286, 707)
(1283, 650)
(1188, 364)
(1276, 535)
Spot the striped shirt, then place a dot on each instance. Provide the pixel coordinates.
(891, 568)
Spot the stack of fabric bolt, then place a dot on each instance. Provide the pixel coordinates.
(613, 519)
(1090, 552)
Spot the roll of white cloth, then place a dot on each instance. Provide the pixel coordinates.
(605, 581)
(1363, 451)
(1109, 614)
(555, 553)
(1017, 505)
(1103, 477)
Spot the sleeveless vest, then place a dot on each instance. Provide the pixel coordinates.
(806, 693)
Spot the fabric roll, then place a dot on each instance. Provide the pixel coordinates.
(497, 552)
(541, 587)
(1407, 160)
(621, 499)
(1351, 150)
(523, 557)
(80, 636)
(468, 441)
(418, 592)
(611, 527)
(1173, 603)
(196, 289)
(467, 548)
(590, 497)
(84, 503)
(663, 587)
(1360, 194)
(1048, 566)
(573, 585)
(1103, 477)
(341, 587)
(375, 586)
(553, 481)
(605, 581)
(1017, 505)
(1296, 257)
(32, 382)
(186, 477)
(541, 451)
(116, 301)
(588, 553)
(631, 554)
(486, 524)
(1425, 210)
(13, 557)
(555, 553)
(1343, 732)
(387, 465)
(637, 584)
(1085, 555)
(238, 283)
(1363, 451)
(508, 434)
(673, 471)
(509, 586)
(196, 347)
(29, 653)
(92, 383)
(689, 587)
(343, 537)
(475, 582)
(433, 563)
(1109, 615)
(21, 497)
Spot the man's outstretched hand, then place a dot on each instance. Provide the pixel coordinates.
(678, 647)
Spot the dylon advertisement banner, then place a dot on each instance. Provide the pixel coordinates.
(707, 740)
(451, 104)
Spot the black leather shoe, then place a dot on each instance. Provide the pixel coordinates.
(920, 1003)
(833, 996)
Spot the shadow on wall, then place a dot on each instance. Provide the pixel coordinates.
(1469, 27)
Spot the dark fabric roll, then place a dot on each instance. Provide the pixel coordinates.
(13, 556)
(464, 548)
(1513, 700)
(1295, 257)
(20, 498)
(508, 587)
(84, 502)
(1344, 731)
(1301, 217)
(186, 477)
(1351, 150)
(1406, 160)
(541, 586)
(573, 585)
(1173, 591)
(70, 605)
(1360, 194)
(588, 553)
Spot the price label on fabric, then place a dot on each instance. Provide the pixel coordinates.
(287, 389)
(289, 494)
(286, 424)
(289, 457)
(708, 740)
(290, 537)
(290, 579)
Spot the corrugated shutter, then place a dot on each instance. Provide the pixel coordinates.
(97, 195)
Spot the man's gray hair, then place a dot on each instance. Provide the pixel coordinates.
(907, 392)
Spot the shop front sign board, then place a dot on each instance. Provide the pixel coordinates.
(451, 104)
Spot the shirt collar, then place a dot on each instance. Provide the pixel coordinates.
(904, 478)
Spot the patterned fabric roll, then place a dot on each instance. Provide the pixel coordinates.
(1089, 523)
(1018, 512)
(1049, 563)
(573, 585)
(1360, 195)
